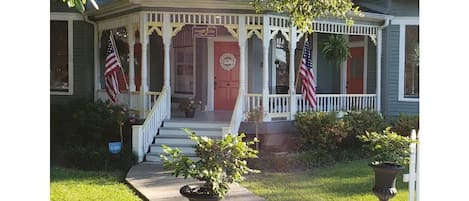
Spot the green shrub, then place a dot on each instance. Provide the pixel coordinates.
(98, 123)
(404, 124)
(222, 161)
(96, 158)
(360, 123)
(387, 146)
(316, 158)
(320, 130)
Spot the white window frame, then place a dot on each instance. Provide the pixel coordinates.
(69, 18)
(403, 22)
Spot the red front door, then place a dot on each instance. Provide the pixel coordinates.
(355, 71)
(226, 64)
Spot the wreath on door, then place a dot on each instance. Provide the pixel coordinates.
(227, 61)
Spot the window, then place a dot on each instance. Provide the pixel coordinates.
(408, 58)
(183, 47)
(61, 57)
(411, 72)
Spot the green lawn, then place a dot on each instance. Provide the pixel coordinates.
(70, 185)
(342, 182)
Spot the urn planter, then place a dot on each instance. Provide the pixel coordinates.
(385, 179)
(198, 192)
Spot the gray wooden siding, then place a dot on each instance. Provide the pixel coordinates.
(390, 76)
(201, 69)
(83, 65)
(328, 75)
(371, 73)
(61, 7)
(254, 65)
(404, 8)
(156, 57)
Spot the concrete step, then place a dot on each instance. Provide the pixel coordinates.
(156, 158)
(193, 124)
(156, 149)
(166, 132)
(174, 142)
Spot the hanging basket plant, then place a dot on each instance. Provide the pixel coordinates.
(335, 49)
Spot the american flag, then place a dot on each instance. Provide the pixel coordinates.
(111, 68)
(308, 89)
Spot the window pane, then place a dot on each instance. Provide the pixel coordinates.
(411, 76)
(59, 56)
(281, 58)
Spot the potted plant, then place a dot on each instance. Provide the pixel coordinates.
(222, 161)
(188, 106)
(335, 49)
(390, 153)
(119, 114)
(256, 116)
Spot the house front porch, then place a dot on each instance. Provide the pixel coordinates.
(172, 63)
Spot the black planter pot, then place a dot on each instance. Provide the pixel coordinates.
(197, 192)
(190, 113)
(385, 180)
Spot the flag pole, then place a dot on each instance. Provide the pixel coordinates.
(118, 58)
(302, 52)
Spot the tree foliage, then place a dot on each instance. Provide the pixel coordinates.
(79, 4)
(303, 12)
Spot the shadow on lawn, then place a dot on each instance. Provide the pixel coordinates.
(342, 180)
(59, 174)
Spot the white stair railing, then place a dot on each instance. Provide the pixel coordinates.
(152, 97)
(236, 118)
(142, 135)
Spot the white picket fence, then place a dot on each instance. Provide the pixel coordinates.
(412, 176)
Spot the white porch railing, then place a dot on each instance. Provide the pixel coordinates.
(236, 118)
(142, 135)
(134, 102)
(279, 104)
(339, 102)
(253, 101)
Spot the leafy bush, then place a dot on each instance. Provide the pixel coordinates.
(316, 158)
(404, 124)
(98, 123)
(320, 130)
(222, 161)
(277, 162)
(96, 158)
(360, 123)
(387, 146)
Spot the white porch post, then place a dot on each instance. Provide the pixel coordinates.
(130, 31)
(144, 84)
(242, 55)
(97, 70)
(292, 90)
(265, 68)
(167, 47)
(378, 69)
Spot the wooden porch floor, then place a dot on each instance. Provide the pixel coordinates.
(211, 116)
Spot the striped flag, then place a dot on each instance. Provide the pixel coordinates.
(111, 68)
(308, 89)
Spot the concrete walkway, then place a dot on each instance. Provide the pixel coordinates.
(156, 184)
